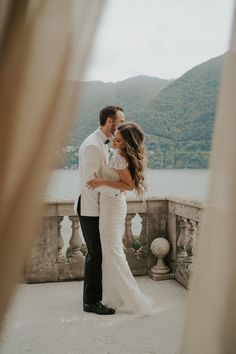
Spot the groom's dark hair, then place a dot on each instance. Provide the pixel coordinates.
(108, 112)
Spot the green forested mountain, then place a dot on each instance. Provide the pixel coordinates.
(132, 94)
(177, 116)
(179, 121)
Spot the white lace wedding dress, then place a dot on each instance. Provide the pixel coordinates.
(120, 290)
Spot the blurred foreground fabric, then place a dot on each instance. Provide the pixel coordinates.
(44, 47)
(211, 311)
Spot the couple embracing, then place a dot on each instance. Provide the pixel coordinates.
(109, 285)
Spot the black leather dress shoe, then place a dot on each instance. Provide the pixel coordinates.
(99, 309)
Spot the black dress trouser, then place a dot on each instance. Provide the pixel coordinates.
(93, 261)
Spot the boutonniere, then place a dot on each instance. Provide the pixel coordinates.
(110, 153)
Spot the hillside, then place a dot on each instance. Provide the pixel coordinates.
(177, 116)
(132, 94)
(179, 121)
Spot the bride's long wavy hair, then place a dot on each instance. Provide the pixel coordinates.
(135, 151)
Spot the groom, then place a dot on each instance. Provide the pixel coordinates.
(93, 154)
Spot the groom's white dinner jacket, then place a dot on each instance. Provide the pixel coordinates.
(93, 154)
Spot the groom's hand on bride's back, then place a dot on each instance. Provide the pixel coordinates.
(95, 182)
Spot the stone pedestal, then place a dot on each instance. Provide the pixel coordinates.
(160, 247)
(42, 264)
(168, 276)
(183, 272)
(71, 269)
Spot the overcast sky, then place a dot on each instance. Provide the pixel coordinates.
(162, 38)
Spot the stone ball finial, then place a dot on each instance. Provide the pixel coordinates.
(160, 247)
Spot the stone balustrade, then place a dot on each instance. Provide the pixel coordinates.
(48, 260)
(58, 255)
(184, 219)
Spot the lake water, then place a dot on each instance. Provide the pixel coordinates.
(185, 183)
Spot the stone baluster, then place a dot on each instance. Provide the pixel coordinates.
(143, 250)
(181, 253)
(190, 241)
(75, 240)
(61, 256)
(128, 236)
(143, 235)
(195, 244)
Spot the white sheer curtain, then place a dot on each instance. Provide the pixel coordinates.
(211, 311)
(44, 46)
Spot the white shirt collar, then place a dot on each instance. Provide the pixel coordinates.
(101, 135)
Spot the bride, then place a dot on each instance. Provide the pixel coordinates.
(125, 172)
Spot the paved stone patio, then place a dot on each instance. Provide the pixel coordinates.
(48, 319)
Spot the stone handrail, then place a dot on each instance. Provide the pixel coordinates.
(174, 219)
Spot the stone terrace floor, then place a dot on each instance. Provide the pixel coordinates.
(48, 319)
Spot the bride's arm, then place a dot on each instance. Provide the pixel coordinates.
(125, 183)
